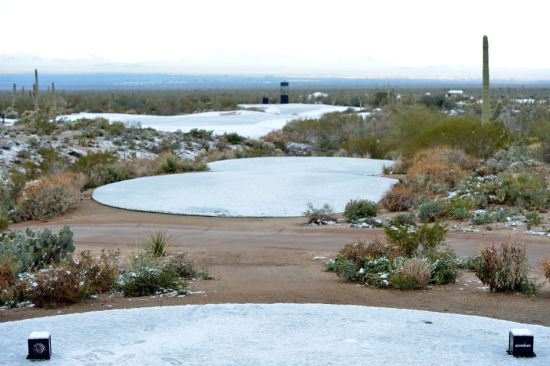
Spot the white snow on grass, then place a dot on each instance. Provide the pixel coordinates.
(250, 123)
(276, 334)
(257, 187)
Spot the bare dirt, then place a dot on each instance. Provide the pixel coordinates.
(270, 260)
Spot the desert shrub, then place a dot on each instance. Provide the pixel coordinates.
(85, 162)
(38, 249)
(233, 138)
(4, 219)
(430, 237)
(157, 243)
(99, 274)
(57, 284)
(465, 133)
(357, 209)
(196, 133)
(410, 239)
(545, 264)
(458, 208)
(415, 273)
(140, 167)
(445, 266)
(532, 219)
(171, 165)
(147, 275)
(320, 216)
(355, 251)
(468, 263)
(102, 174)
(431, 211)
(399, 198)
(526, 190)
(366, 146)
(49, 196)
(277, 138)
(7, 274)
(193, 165)
(344, 268)
(405, 219)
(505, 269)
(440, 168)
(183, 266)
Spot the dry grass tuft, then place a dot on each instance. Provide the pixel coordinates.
(399, 198)
(438, 167)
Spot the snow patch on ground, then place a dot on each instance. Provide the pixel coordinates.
(274, 334)
(257, 187)
(250, 123)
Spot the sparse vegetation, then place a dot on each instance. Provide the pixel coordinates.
(505, 269)
(320, 216)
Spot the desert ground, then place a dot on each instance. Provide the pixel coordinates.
(271, 260)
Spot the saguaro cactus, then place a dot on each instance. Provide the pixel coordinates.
(13, 96)
(54, 103)
(486, 107)
(35, 86)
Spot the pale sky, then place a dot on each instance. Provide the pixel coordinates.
(341, 37)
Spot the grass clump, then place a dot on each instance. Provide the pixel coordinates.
(414, 273)
(359, 209)
(157, 244)
(505, 269)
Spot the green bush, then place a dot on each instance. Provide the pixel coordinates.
(405, 219)
(171, 165)
(533, 219)
(196, 133)
(465, 133)
(409, 240)
(149, 276)
(86, 162)
(233, 138)
(102, 174)
(526, 190)
(431, 211)
(458, 208)
(358, 209)
(445, 266)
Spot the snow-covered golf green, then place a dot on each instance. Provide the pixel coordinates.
(275, 334)
(257, 187)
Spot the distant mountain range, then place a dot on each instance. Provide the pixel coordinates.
(176, 81)
(98, 73)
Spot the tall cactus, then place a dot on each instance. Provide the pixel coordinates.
(486, 107)
(35, 86)
(13, 96)
(54, 103)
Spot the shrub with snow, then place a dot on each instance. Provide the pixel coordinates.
(49, 196)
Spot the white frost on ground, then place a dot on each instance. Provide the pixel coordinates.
(276, 334)
(257, 187)
(250, 123)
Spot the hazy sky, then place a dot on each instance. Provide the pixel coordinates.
(341, 37)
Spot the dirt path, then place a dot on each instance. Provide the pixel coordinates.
(270, 260)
